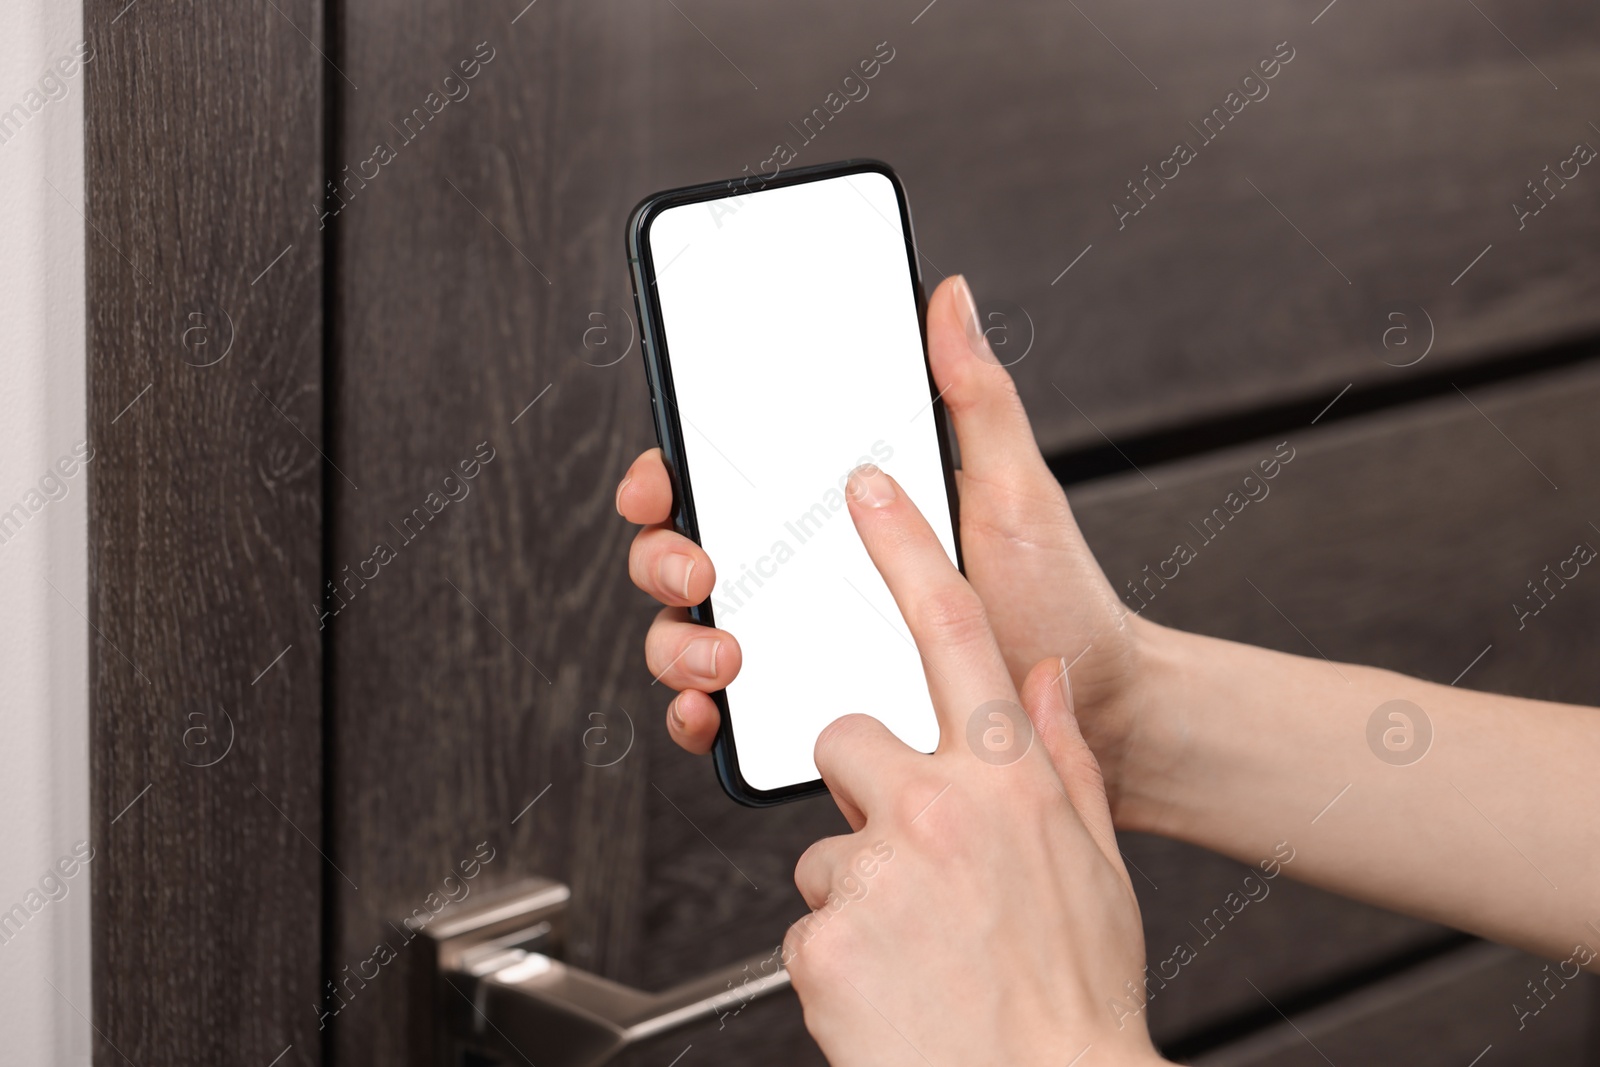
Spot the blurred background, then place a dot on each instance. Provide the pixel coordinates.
(333, 249)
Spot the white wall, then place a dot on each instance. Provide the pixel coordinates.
(44, 758)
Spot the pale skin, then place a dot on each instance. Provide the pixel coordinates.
(1496, 830)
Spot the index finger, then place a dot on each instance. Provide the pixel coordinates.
(962, 660)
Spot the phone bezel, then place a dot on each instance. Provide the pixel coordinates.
(669, 432)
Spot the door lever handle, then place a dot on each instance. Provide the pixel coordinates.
(503, 991)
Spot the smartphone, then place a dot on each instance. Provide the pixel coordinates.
(783, 332)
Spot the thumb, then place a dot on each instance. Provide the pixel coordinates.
(996, 439)
(1047, 697)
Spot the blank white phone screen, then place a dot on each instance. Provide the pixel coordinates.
(795, 353)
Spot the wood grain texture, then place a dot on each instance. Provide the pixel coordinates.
(481, 272)
(1400, 541)
(471, 670)
(1290, 939)
(1460, 1009)
(203, 151)
(1394, 142)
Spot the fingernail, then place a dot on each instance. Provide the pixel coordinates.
(620, 487)
(869, 486)
(677, 716)
(701, 656)
(971, 323)
(1066, 688)
(674, 573)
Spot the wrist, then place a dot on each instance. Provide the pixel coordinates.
(1200, 735)
(1140, 737)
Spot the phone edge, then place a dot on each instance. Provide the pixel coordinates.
(669, 433)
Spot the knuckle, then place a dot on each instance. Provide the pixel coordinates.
(1024, 508)
(1028, 509)
(791, 950)
(639, 558)
(985, 385)
(1082, 769)
(810, 868)
(658, 647)
(917, 805)
(811, 948)
(653, 661)
(844, 729)
(1081, 757)
(949, 829)
(952, 615)
(803, 953)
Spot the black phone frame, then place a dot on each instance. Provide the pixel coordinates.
(669, 431)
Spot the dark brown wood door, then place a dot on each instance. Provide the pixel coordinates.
(404, 470)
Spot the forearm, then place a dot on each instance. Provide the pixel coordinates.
(1495, 829)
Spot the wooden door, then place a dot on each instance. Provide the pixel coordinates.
(401, 476)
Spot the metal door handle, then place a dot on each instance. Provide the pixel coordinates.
(503, 991)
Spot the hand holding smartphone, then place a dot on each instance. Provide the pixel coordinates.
(782, 326)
